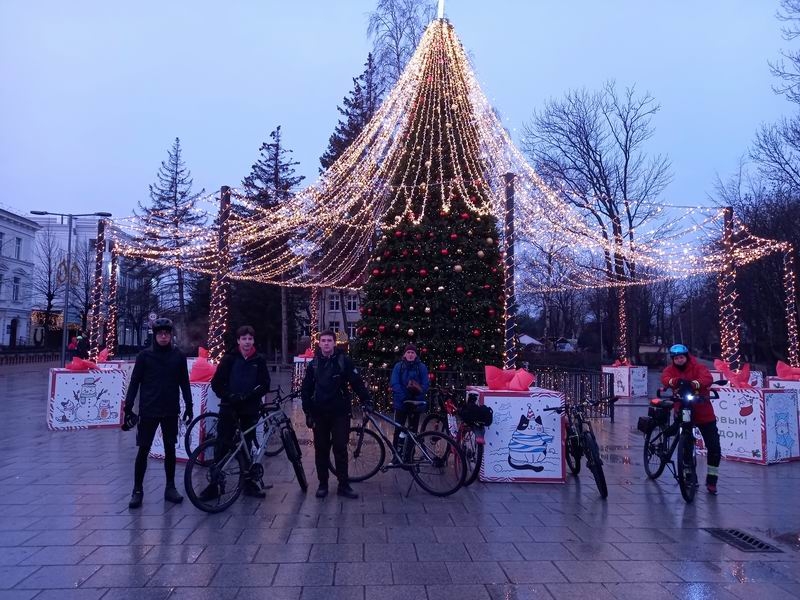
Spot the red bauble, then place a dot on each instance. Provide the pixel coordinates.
(465, 216)
(416, 251)
(405, 252)
(369, 311)
(370, 344)
(394, 270)
(423, 350)
(409, 290)
(398, 234)
(492, 312)
(402, 269)
(386, 253)
(476, 332)
(418, 236)
(381, 328)
(487, 286)
(398, 308)
(442, 367)
(362, 310)
(387, 291)
(453, 236)
(376, 272)
(430, 234)
(423, 272)
(453, 310)
(444, 252)
(431, 376)
(494, 269)
(443, 214)
(469, 294)
(459, 349)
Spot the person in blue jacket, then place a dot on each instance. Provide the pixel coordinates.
(409, 382)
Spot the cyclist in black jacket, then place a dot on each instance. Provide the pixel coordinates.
(326, 403)
(159, 375)
(238, 374)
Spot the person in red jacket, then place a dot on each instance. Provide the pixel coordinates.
(686, 370)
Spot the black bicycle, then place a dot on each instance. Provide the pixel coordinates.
(433, 458)
(464, 421)
(204, 427)
(216, 472)
(581, 442)
(661, 438)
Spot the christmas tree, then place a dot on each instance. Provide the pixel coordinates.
(435, 277)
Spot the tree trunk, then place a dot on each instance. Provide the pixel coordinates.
(181, 299)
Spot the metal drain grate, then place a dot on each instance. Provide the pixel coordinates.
(741, 540)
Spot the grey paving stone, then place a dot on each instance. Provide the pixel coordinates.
(250, 575)
(552, 534)
(341, 520)
(395, 592)
(593, 551)
(466, 535)
(409, 533)
(354, 535)
(51, 523)
(644, 571)
(338, 553)
(172, 554)
(54, 577)
(458, 592)
(115, 555)
(505, 534)
(476, 572)
(264, 536)
(59, 555)
(183, 575)
(71, 594)
(389, 552)
(349, 592)
(214, 536)
(543, 551)
(386, 520)
(18, 594)
(706, 591)
(420, 573)
(635, 591)
(137, 593)
(125, 576)
(55, 538)
(14, 538)
(522, 592)
(579, 591)
(308, 574)
(269, 593)
(11, 576)
(374, 573)
(13, 556)
(237, 554)
(535, 571)
(314, 535)
(588, 571)
(493, 551)
(208, 593)
(284, 553)
(442, 552)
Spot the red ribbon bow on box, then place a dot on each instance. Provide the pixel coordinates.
(518, 380)
(202, 370)
(309, 353)
(79, 364)
(737, 380)
(786, 372)
(103, 356)
(620, 362)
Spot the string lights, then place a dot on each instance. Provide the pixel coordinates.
(113, 313)
(97, 293)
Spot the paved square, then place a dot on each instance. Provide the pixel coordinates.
(66, 531)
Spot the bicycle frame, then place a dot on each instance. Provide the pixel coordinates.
(273, 421)
(372, 417)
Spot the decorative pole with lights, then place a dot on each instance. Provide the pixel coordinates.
(729, 321)
(113, 313)
(97, 292)
(510, 300)
(790, 291)
(218, 314)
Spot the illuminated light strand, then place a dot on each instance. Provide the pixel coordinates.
(95, 318)
(113, 314)
(790, 293)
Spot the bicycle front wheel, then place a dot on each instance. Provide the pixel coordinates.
(294, 455)
(438, 464)
(203, 427)
(473, 455)
(595, 463)
(365, 454)
(214, 476)
(574, 452)
(687, 468)
(655, 443)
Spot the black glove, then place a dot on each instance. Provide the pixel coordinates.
(131, 419)
(188, 415)
(309, 421)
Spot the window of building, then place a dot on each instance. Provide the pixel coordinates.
(1, 285)
(2, 239)
(18, 248)
(333, 302)
(15, 290)
(351, 330)
(334, 326)
(352, 302)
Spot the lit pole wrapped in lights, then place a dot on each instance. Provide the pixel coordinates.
(220, 285)
(97, 292)
(113, 313)
(790, 290)
(729, 320)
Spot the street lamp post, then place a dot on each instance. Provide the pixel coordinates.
(69, 269)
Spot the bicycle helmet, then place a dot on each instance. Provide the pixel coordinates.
(677, 350)
(162, 324)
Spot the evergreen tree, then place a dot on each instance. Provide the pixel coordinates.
(357, 109)
(436, 274)
(272, 179)
(168, 219)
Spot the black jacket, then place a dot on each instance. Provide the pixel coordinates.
(239, 375)
(159, 374)
(325, 385)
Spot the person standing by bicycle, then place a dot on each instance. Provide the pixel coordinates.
(326, 404)
(409, 382)
(686, 371)
(159, 376)
(240, 372)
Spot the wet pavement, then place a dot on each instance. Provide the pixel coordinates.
(66, 531)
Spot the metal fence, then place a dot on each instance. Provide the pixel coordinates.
(577, 385)
(22, 357)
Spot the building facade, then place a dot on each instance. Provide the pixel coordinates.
(17, 235)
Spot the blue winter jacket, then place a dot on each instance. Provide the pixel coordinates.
(402, 372)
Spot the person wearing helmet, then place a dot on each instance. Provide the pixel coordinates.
(159, 376)
(685, 370)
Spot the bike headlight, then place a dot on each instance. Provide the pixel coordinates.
(689, 397)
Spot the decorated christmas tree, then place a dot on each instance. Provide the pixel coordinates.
(435, 277)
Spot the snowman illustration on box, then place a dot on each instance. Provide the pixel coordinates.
(88, 404)
(528, 445)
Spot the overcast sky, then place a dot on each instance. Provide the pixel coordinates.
(93, 93)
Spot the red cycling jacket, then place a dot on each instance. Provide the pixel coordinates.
(701, 376)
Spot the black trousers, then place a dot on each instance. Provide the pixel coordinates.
(407, 418)
(227, 426)
(331, 431)
(711, 440)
